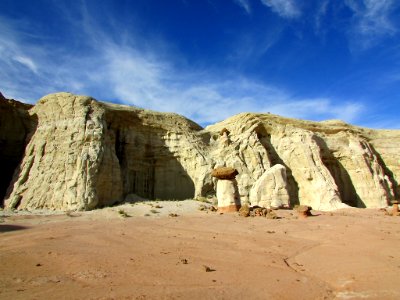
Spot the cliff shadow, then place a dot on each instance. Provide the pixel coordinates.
(347, 191)
(265, 140)
(8, 227)
(12, 151)
(148, 167)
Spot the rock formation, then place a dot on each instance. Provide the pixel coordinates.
(228, 195)
(74, 152)
(270, 190)
(86, 154)
(224, 173)
(227, 189)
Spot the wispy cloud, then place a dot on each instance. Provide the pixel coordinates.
(372, 19)
(322, 10)
(249, 47)
(148, 84)
(284, 8)
(17, 63)
(136, 75)
(27, 62)
(245, 4)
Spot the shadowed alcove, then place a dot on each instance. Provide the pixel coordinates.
(15, 126)
(147, 166)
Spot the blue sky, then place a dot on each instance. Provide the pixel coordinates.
(210, 59)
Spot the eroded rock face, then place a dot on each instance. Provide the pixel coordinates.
(329, 165)
(359, 172)
(62, 160)
(270, 190)
(84, 154)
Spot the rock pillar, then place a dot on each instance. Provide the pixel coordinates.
(227, 189)
(228, 195)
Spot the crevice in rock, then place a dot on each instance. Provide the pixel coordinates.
(394, 184)
(265, 139)
(342, 178)
(119, 147)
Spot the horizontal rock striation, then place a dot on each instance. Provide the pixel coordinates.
(78, 153)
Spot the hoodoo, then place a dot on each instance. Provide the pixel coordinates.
(227, 189)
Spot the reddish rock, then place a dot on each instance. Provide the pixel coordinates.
(224, 173)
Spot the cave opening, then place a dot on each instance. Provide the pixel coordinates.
(9, 162)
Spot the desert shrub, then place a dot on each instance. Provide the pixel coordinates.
(123, 214)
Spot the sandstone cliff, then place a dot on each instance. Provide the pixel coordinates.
(83, 154)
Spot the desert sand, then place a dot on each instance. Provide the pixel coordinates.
(198, 254)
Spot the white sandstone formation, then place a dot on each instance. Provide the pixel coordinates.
(228, 195)
(368, 184)
(86, 154)
(227, 189)
(74, 152)
(270, 190)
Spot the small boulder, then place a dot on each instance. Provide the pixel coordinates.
(244, 211)
(304, 211)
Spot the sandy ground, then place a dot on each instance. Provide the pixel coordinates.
(347, 254)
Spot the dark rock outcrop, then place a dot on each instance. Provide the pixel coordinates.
(15, 125)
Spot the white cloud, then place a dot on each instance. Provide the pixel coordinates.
(284, 8)
(142, 77)
(372, 19)
(245, 4)
(321, 107)
(153, 85)
(17, 62)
